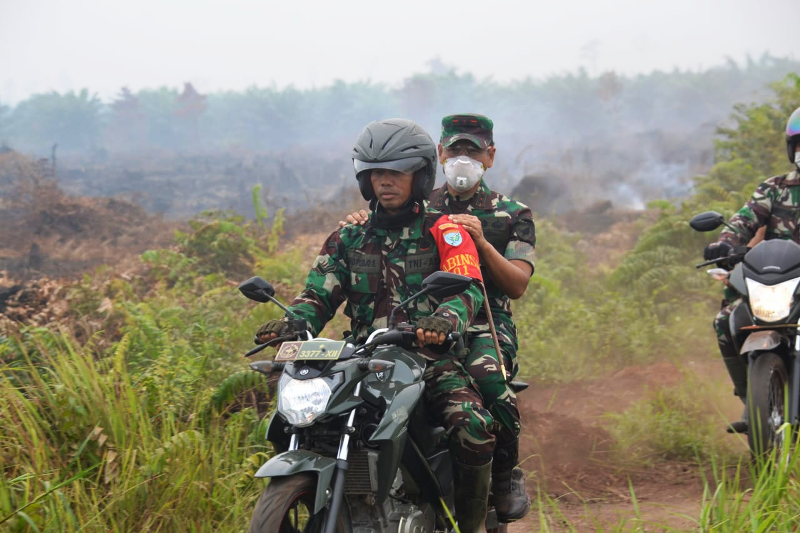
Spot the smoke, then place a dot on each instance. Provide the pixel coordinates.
(626, 139)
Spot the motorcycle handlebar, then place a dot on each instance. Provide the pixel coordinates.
(731, 259)
(458, 340)
(267, 344)
(406, 338)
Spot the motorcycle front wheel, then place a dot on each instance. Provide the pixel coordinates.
(287, 506)
(768, 379)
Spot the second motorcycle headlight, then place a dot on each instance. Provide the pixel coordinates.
(771, 303)
(302, 401)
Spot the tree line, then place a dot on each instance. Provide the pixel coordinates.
(571, 106)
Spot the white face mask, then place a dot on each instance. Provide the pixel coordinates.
(462, 172)
(797, 159)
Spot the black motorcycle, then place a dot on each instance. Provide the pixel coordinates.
(765, 330)
(354, 449)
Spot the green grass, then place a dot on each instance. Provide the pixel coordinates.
(675, 423)
(84, 448)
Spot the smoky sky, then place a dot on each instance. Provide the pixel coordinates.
(49, 45)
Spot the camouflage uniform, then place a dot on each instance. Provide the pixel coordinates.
(508, 226)
(776, 205)
(374, 269)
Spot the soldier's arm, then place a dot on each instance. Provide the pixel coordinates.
(752, 216)
(461, 258)
(326, 285)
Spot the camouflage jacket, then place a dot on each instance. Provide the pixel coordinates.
(374, 269)
(507, 225)
(774, 204)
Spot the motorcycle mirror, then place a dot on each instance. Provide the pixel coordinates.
(257, 289)
(444, 284)
(440, 284)
(708, 221)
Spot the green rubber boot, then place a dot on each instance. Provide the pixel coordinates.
(737, 370)
(471, 484)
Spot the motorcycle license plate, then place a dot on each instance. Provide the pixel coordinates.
(310, 350)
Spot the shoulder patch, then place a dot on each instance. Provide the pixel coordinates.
(452, 236)
(525, 230)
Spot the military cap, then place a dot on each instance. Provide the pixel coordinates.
(469, 126)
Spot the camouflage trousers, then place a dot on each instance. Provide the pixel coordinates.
(722, 323)
(454, 402)
(483, 366)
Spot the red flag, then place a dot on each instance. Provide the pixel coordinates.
(457, 251)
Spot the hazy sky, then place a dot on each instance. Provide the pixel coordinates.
(105, 44)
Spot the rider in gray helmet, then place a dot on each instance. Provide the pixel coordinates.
(375, 266)
(401, 146)
(395, 144)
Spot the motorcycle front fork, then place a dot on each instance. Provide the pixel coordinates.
(794, 390)
(341, 470)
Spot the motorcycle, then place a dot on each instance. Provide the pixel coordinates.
(765, 331)
(354, 450)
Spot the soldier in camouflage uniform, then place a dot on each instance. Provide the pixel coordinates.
(505, 236)
(775, 209)
(374, 267)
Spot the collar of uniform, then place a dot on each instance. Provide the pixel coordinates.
(481, 199)
(414, 231)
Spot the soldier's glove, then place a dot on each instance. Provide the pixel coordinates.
(717, 250)
(277, 326)
(436, 324)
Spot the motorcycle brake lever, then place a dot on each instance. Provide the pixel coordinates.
(730, 259)
(276, 340)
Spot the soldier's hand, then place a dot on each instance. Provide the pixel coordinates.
(471, 223)
(271, 330)
(717, 250)
(433, 329)
(357, 218)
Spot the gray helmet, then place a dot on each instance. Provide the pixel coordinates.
(792, 133)
(395, 144)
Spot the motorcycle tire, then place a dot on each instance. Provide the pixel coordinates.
(768, 379)
(287, 504)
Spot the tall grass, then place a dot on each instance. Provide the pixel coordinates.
(84, 449)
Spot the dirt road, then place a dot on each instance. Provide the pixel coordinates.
(566, 455)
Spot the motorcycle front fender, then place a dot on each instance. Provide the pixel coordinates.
(761, 341)
(298, 461)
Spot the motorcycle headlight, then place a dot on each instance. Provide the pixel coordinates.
(301, 401)
(771, 303)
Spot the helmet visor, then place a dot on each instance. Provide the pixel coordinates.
(793, 126)
(408, 165)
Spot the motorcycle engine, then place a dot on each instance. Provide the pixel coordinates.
(408, 518)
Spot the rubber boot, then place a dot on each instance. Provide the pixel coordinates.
(471, 484)
(741, 426)
(509, 495)
(737, 369)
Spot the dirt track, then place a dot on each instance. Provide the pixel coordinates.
(564, 450)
